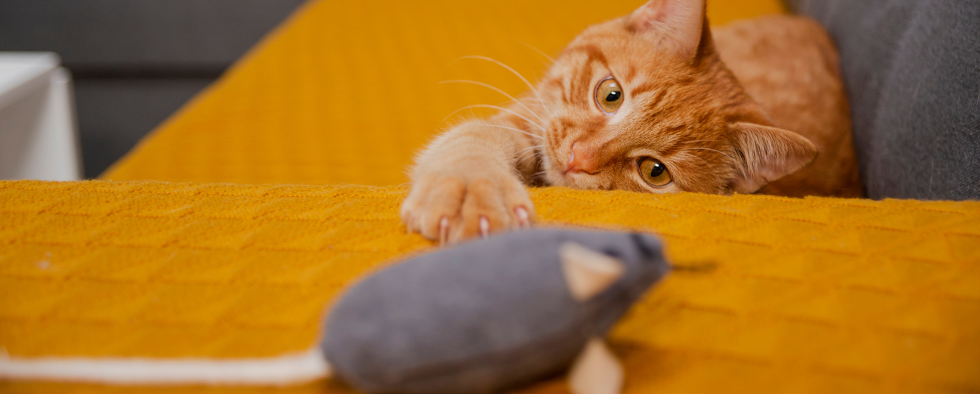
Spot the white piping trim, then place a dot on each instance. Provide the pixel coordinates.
(282, 370)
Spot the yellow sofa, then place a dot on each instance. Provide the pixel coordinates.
(228, 230)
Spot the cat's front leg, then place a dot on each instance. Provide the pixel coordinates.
(466, 184)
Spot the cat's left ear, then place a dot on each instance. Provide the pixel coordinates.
(770, 153)
(677, 23)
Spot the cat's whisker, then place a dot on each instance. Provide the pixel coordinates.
(494, 88)
(523, 152)
(518, 130)
(716, 151)
(497, 107)
(531, 149)
(540, 174)
(538, 51)
(519, 75)
(702, 160)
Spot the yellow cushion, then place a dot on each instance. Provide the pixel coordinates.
(346, 91)
(808, 295)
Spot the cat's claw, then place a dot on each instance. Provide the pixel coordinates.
(449, 208)
(484, 227)
(523, 219)
(443, 230)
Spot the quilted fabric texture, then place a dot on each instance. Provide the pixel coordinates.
(811, 295)
(347, 91)
(805, 295)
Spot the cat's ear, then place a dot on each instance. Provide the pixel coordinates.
(770, 153)
(677, 23)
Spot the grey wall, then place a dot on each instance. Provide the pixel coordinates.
(136, 61)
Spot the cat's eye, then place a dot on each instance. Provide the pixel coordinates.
(609, 95)
(654, 172)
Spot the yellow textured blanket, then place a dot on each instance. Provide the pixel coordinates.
(811, 295)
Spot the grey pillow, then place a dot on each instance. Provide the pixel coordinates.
(912, 71)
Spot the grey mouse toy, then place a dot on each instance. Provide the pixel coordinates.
(494, 314)
(481, 317)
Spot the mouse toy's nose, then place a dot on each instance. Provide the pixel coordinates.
(648, 245)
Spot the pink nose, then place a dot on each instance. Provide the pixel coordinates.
(581, 161)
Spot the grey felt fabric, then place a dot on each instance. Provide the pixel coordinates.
(480, 317)
(912, 71)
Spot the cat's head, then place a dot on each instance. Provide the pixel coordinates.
(644, 103)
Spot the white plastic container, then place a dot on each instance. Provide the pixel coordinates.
(38, 133)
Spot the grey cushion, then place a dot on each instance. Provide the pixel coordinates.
(912, 71)
(480, 317)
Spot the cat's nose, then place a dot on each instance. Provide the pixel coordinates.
(580, 160)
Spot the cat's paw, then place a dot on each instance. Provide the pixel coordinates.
(450, 208)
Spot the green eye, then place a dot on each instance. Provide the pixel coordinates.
(609, 95)
(654, 172)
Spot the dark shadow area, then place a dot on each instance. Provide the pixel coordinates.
(136, 62)
(114, 114)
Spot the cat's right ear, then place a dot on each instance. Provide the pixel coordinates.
(769, 153)
(678, 24)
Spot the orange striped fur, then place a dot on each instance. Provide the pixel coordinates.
(755, 107)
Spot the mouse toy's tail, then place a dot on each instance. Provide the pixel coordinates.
(282, 370)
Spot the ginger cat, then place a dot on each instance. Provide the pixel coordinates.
(650, 102)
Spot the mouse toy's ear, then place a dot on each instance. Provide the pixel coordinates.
(596, 371)
(587, 272)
